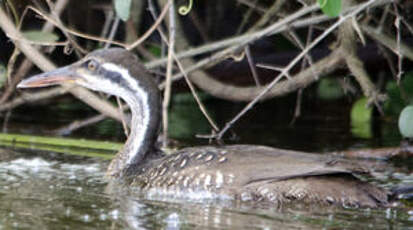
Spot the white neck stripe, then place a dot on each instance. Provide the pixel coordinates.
(141, 124)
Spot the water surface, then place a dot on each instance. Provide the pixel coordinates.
(49, 190)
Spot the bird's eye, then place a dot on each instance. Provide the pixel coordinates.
(92, 65)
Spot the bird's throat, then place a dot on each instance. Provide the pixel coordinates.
(144, 128)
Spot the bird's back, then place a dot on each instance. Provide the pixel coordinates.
(259, 173)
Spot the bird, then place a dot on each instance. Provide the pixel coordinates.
(246, 173)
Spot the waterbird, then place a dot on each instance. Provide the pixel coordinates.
(248, 173)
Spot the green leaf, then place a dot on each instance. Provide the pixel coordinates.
(329, 89)
(102, 149)
(3, 74)
(406, 122)
(122, 8)
(360, 113)
(361, 117)
(407, 83)
(65, 142)
(395, 103)
(399, 96)
(155, 50)
(40, 36)
(330, 8)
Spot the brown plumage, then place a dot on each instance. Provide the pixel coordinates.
(244, 172)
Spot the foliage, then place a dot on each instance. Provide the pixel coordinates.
(156, 50)
(40, 36)
(101, 149)
(65, 142)
(3, 74)
(361, 116)
(331, 8)
(329, 89)
(122, 8)
(400, 95)
(406, 122)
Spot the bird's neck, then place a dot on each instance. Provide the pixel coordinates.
(143, 100)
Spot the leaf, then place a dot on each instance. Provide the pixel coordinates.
(399, 96)
(63, 142)
(360, 113)
(122, 8)
(155, 50)
(3, 74)
(361, 117)
(330, 8)
(395, 103)
(329, 89)
(89, 148)
(40, 36)
(406, 122)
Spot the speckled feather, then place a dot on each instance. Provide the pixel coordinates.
(259, 173)
(242, 172)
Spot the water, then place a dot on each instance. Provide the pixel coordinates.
(47, 190)
(38, 193)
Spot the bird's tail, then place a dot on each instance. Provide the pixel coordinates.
(402, 193)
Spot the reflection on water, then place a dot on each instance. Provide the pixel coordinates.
(43, 191)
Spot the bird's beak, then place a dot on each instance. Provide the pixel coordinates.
(54, 77)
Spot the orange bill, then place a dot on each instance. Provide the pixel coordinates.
(54, 77)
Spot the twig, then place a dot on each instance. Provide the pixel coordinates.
(26, 64)
(216, 88)
(40, 43)
(189, 83)
(46, 65)
(273, 10)
(167, 91)
(6, 121)
(109, 15)
(124, 123)
(153, 27)
(252, 5)
(297, 110)
(251, 64)
(301, 46)
(10, 65)
(67, 129)
(389, 42)
(247, 17)
(32, 97)
(347, 38)
(387, 55)
(73, 32)
(249, 37)
(112, 32)
(291, 64)
(199, 26)
(383, 17)
(398, 41)
(78, 49)
(407, 25)
(190, 52)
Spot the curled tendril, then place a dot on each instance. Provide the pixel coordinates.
(184, 10)
(68, 49)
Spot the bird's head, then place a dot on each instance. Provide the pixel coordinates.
(111, 71)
